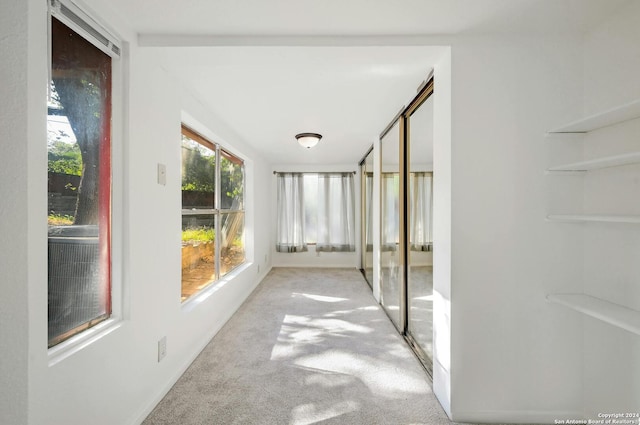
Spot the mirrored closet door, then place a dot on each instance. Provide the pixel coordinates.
(420, 228)
(406, 223)
(391, 259)
(366, 173)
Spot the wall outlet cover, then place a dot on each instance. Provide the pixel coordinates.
(162, 174)
(162, 348)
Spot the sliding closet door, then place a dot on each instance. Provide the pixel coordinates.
(366, 173)
(420, 229)
(406, 227)
(391, 258)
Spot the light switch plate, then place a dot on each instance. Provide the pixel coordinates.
(162, 174)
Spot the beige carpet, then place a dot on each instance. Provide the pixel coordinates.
(309, 346)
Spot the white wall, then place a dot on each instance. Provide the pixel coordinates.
(442, 231)
(20, 27)
(113, 377)
(611, 252)
(513, 355)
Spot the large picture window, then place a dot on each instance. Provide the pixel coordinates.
(212, 212)
(79, 184)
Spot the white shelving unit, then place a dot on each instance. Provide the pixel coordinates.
(606, 118)
(581, 218)
(613, 314)
(595, 164)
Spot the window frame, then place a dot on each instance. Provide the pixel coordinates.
(217, 212)
(92, 31)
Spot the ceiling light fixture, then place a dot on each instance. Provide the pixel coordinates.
(308, 140)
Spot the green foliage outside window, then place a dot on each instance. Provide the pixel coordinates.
(199, 163)
(199, 235)
(64, 158)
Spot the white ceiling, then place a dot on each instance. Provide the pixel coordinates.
(348, 94)
(267, 94)
(359, 17)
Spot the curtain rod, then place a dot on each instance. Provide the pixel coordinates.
(313, 172)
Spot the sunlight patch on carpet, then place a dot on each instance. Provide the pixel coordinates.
(382, 378)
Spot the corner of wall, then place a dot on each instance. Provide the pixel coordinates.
(442, 277)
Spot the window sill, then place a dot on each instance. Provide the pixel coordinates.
(193, 302)
(78, 342)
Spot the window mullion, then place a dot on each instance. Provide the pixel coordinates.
(216, 206)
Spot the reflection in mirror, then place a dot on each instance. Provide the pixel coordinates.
(391, 267)
(419, 229)
(367, 217)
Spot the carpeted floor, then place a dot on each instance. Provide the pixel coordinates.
(309, 346)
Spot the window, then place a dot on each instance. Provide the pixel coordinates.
(315, 208)
(79, 177)
(212, 212)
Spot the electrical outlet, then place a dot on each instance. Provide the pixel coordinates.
(162, 348)
(258, 268)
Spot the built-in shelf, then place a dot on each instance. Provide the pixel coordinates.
(614, 314)
(606, 118)
(577, 218)
(594, 164)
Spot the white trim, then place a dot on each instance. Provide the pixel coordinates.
(208, 40)
(119, 187)
(78, 20)
(516, 416)
(85, 338)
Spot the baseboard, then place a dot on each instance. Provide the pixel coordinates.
(160, 394)
(261, 277)
(516, 416)
(441, 386)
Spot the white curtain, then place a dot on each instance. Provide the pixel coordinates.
(421, 198)
(390, 213)
(336, 217)
(368, 190)
(290, 218)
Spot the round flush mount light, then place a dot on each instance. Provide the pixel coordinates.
(308, 140)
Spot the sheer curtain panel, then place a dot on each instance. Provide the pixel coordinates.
(368, 187)
(336, 218)
(420, 233)
(290, 224)
(390, 226)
